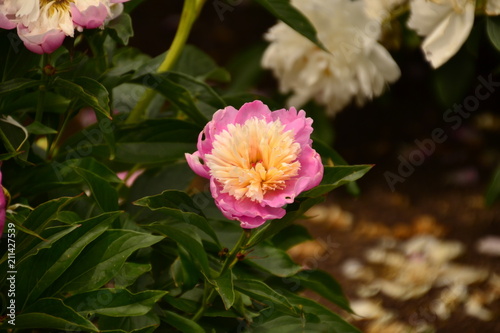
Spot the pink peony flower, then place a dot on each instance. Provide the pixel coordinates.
(43, 24)
(257, 161)
(3, 207)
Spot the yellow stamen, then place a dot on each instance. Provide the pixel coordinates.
(56, 5)
(254, 158)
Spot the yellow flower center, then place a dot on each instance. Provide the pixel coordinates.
(254, 158)
(56, 5)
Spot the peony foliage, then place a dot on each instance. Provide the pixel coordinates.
(142, 194)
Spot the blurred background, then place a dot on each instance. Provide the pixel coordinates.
(422, 254)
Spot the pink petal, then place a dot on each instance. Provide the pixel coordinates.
(5, 23)
(195, 164)
(250, 214)
(298, 123)
(255, 109)
(310, 175)
(47, 42)
(90, 18)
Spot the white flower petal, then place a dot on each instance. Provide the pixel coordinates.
(493, 7)
(448, 37)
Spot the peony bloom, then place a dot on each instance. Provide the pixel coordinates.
(257, 161)
(357, 67)
(446, 25)
(42, 25)
(3, 206)
(381, 9)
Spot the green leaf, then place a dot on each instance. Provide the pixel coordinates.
(14, 134)
(180, 206)
(129, 273)
(337, 176)
(183, 304)
(188, 243)
(283, 10)
(89, 91)
(95, 174)
(51, 313)
(290, 236)
(114, 302)
(493, 191)
(493, 30)
(150, 142)
(102, 260)
(104, 194)
(200, 91)
(333, 321)
(8, 156)
(48, 242)
(181, 323)
(38, 128)
(160, 130)
(225, 287)
(17, 84)
(136, 324)
(273, 260)
(151, 152)
(331, 155)
(263, 293)
(324, 285)
(121, 28)
(198, 64)
(38, 220)
(314, 318)
(176, 94)
(39, 272)
(184, 272)
(294, 211)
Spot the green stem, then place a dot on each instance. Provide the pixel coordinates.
(53, 147)
(189, 14)
(209, 291)
(208, 296)
(231, 259)
(41, 94)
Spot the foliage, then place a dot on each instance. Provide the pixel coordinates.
(93, 253)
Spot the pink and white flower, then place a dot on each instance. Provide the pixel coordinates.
(43, 24)
(257, 161)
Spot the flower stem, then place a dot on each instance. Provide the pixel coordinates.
(231, 259)
(52, 150)
(41, 93)
(209, 291)
(189, 14)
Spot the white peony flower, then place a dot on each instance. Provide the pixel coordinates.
(381, 9)
(493, 7)
(446, 25)
(357, 67)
